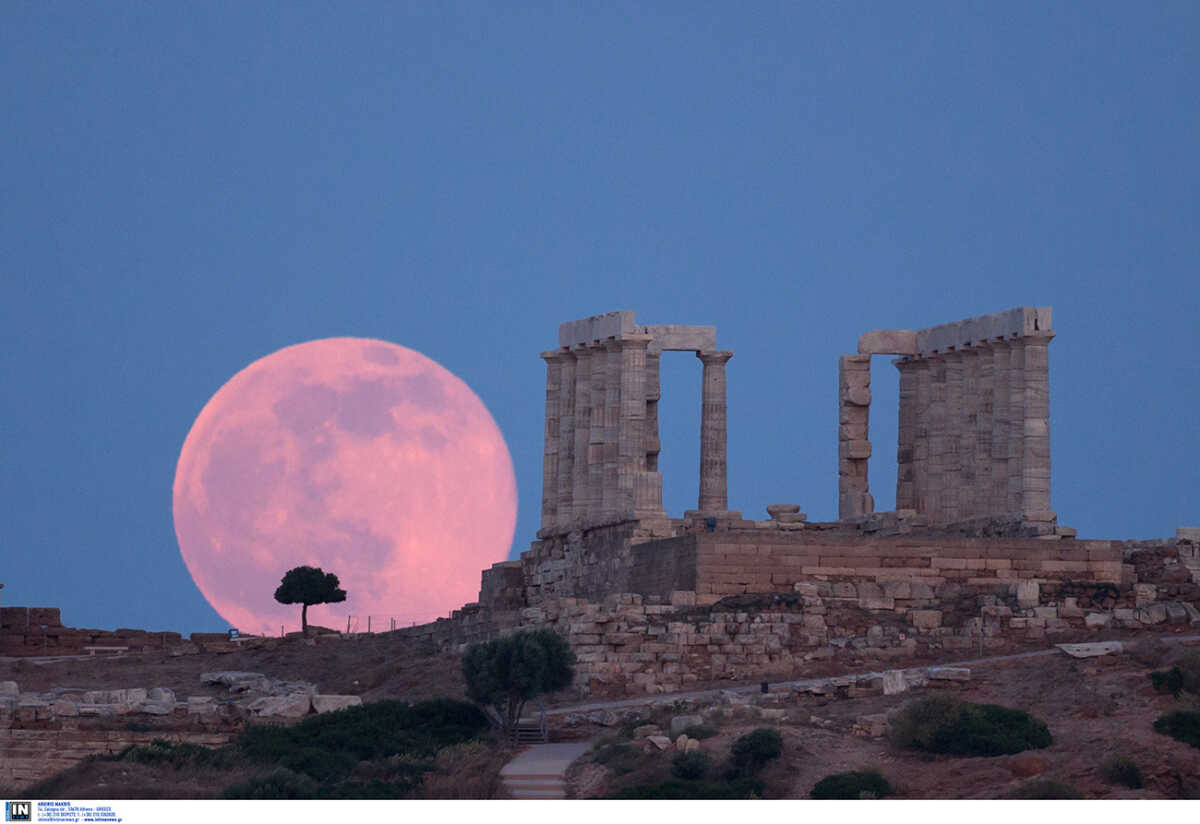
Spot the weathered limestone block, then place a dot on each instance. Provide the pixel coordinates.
(888, 342)
(161, 694)
(332, 703)
(1153, 614)
(948, 674)
(296, 705)
(659, 741)
(894, 682)
(237, 681)
(1028, 594)
(679, 723)
(1097, 620)
(925, 618)
(9, 688)
(66, 708)
(1144, 594)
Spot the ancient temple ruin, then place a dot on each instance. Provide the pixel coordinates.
(600, 464)
(974, 428)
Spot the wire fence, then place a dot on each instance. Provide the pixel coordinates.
(366, 624)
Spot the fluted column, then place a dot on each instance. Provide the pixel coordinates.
(1016, 428)
(906, 434)
(921, 436)
(554, 361)
(985, 396)
(854, 448)
(566, 442)
(581, 471)
(1035, 470)
(648, 484)
(998, 500)
(610, 504)
(939, 439)
(595, 485)
(631, 447)
(713, 483)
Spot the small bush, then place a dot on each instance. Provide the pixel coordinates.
(947, 725)
(161, 751)
(752, 751)
(280, 783)
(851, 785)
(677, 790)
(690, 766)
(700, 731)
(1046, 790)
(1121, 770)
(1168, 681)
(1182, 726)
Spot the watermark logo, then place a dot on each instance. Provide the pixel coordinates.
(18, 811)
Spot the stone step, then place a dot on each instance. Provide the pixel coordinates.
(538, 794)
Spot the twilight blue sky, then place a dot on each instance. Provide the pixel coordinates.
(187, 187)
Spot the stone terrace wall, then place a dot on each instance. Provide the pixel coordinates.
(22, 634)
(734, 563)
(631, 644)
(28, 755)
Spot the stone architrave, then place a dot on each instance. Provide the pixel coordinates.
(713, 421)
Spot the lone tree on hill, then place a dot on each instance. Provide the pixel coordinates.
(507, 672)
(309, 585)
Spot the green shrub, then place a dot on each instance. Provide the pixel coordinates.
(754, 749)
(161, 751)
(1046, 790)
(1121, 770)
(690, 766)
(851, 785)
(947, 725)
(729, 790)
(700, 731)
(280, 783)
(1168, 681)
(1182, 726)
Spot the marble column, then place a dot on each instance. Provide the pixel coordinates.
(921, 435)
(985, 392)
(968, 416)
(554, 361)
(1035, 470)
(610, 493)
(713, 482)
(631, 447)
(581, 470)
(566, 442)
(939, 439)
(952, 476)
(1001, 358)
(1016, 426)
(854, 447)
(648, 485)
(906, 434)
(596, 433)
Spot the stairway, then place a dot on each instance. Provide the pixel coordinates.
(538, 771)
(530, 731)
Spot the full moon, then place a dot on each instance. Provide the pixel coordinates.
(358, 456)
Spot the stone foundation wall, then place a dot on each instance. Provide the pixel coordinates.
(27, 631)
(735, 563)
(30, 754)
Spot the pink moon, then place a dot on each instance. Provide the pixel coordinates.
(358, 456)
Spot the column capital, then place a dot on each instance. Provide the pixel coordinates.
(555, 355)
(714, 356)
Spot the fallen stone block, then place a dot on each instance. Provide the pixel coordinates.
(1097, 620)
(1091, 650)
(9, 688)
(772, 715)
(155, 708)
(201, 705)
(894, 682)
(681, 722)
(161, 694)
(66, 707)
(237, 681)
(297, 705)
(646, 730)
(692, 745)
(660, 741)
(948, 674)
(333, 703)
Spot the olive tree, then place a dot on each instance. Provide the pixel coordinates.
(506, 672)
